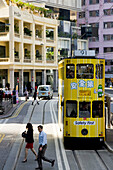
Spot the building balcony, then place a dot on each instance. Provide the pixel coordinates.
(49, 59)
(27, 60)
(17, 35)
(4, 59)
(49, 40)
(16, 57)
(38, 60)
(93, 39)
(26, 36)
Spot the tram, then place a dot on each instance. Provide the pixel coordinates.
(81, 108)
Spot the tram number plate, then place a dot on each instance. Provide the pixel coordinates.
(84, 93)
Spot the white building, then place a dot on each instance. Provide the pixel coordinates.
(28, 48)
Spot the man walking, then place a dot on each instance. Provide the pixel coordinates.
(42, 148)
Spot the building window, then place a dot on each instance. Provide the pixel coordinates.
(108, 1)
(81, 14)
(108, 25)
(94, 13)
(108, 12)
(108, 49)
(108, 37)
(83, 2)
(96, 50)
(92, 2)
(95, 25)
(2, 51)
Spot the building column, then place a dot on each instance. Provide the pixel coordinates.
(33, 80)
(55, 80)
(12, 79)
(11, 34)
(21, 82)
(44, 77)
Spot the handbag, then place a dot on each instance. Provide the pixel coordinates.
(24, 135)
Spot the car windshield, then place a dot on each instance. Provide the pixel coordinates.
(43, 88)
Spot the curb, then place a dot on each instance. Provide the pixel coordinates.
(11, 111)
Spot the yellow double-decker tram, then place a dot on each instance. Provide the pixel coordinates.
(81, 112)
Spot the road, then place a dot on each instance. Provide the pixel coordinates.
(12, 145)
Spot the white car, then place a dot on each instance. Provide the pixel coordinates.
(45, 91)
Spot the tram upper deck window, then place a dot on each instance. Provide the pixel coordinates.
(85, 71)
(71, 108)
(84, 109)
(70, 71)
(99, 71)
(97, 109)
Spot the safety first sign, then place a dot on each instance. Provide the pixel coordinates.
(84, 122)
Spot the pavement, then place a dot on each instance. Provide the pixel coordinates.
(19, 145)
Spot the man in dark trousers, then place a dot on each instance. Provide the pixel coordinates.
(42, 148)
(35, 96)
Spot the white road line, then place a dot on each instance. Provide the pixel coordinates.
(61, 144)
(60, 167)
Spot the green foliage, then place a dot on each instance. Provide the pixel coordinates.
(50, 55)
(64, 34)
(16, 28)
(27, 31)
(39, 33)
(75, 36)
(49, 34)
(20, 4)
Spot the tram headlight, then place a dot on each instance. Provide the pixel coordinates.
(84, 132)
(101, 139)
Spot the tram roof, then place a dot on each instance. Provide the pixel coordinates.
(80, 57)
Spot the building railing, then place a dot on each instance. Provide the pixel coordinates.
(27, 36)
(93, 39)
(49, 61)
(5, 59)
(17, 35)
(27, 60)
(49, 40)
(17, 59)
(38, 61)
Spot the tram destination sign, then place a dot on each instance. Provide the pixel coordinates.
(84, 53)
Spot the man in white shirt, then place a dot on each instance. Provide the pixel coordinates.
(42, 148)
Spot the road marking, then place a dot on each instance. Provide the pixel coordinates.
(61, 144)
(60, 167)
(18, 111)
(1, 137)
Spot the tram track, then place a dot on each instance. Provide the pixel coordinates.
(98, 159)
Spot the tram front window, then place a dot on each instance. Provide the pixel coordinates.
(85, 71)
(71, 108)
(99, 71)
(70, 71)
(97, 109)
(84, 109)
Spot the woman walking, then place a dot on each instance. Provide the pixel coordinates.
(29, 139)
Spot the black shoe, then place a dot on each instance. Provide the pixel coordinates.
(24, 161)
(39, 168)
(52, 164)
